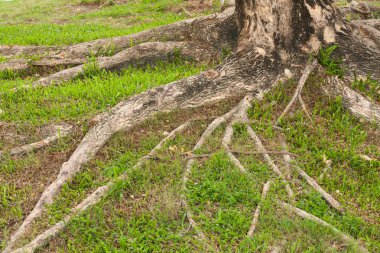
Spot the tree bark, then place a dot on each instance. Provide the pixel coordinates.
(285, 26)
(285, 29)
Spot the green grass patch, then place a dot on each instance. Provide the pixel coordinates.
(85, 97)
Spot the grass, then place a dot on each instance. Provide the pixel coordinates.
(69, 22)
(83, 98)
(144, 213)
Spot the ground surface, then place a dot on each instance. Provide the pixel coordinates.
(144, 213)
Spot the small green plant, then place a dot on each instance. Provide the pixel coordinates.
(3, 59)
(91, 68)
(106, 51)
(8, 74)
(369, 86)
(333, 66)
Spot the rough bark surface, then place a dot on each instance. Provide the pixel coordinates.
(217, 30)
(142, 54)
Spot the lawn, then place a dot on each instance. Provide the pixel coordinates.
(145, 213)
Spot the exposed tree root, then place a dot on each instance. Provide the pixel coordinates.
(359, 47)
(226, 144)
(269, 160)
(142, 54)
(91, 200)
(353, 101)
(212, 29)
(308, 216)
(304, 108)
(327, 167)
(25, 65)
(309, 68)
(191, 92)
(252, 70)
(258, 209)
(262, 153)
(60, 131)
(14, 65)
(220, 120)
(12, 51)
(276, 249)
(330, 200)
(206, 134)
(287, 159)
(375, 23)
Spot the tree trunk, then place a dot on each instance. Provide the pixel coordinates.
(288, 29)
(286, 25)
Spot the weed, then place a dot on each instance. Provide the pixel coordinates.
(368, 86)
(333, 66)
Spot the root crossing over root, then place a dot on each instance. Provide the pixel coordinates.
(91, 200)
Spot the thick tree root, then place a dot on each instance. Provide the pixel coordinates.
(91, 200)
(15, 65)
(256, 215)
(25, 66)
(353, 101)
(308, 216)
(191, 92)
(60, 132)
(375, 23)
(214, 29)
(142, 54)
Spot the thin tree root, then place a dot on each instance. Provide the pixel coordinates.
(258, 209)
(287, 160)
(189, 155)
(326, 169)
(276, 249)
(305, 215)
(60, 132)
(226, 144)
(206, 134)
(91, 200)
(269, 160)
(222, 119)
(304, 108)
(309, 68)
(261, 153)
(330, 200)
